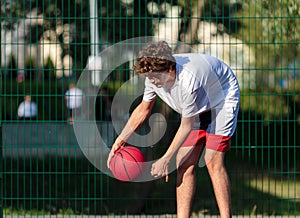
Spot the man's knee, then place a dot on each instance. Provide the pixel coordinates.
(214, 160)
(186, 161)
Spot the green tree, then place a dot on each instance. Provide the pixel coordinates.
(273, 28)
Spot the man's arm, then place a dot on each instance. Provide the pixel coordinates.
(160, 168)
(186, 125)
(138, 116)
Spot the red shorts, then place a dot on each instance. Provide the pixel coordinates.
(211, 141)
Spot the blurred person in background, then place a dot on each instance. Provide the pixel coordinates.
(73, 100)
(27, 109)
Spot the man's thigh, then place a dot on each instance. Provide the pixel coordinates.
(188, 155)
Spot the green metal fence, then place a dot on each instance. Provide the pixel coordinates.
(46, 45)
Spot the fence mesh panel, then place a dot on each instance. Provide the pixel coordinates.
(47, 45)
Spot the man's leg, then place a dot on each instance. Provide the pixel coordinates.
(187, 158)
(220, 181)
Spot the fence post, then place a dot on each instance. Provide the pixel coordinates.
(1, 147)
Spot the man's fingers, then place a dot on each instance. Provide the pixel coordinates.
(108, 160)
(167, 175)
(112, 152)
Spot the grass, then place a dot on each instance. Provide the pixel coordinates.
(263, 192)
(279, 188)
(253, 193)
(34, 212)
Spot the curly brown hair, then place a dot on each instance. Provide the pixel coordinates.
(155, 57)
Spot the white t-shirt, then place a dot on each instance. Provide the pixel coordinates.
(27, 109)
(74, 98)
(202, 83)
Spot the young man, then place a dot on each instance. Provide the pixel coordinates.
(205, 92)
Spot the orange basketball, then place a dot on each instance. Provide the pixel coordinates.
(127, 163)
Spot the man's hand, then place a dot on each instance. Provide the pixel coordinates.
(116, 146)
(160, 168)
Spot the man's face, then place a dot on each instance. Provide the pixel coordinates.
(162, 79)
